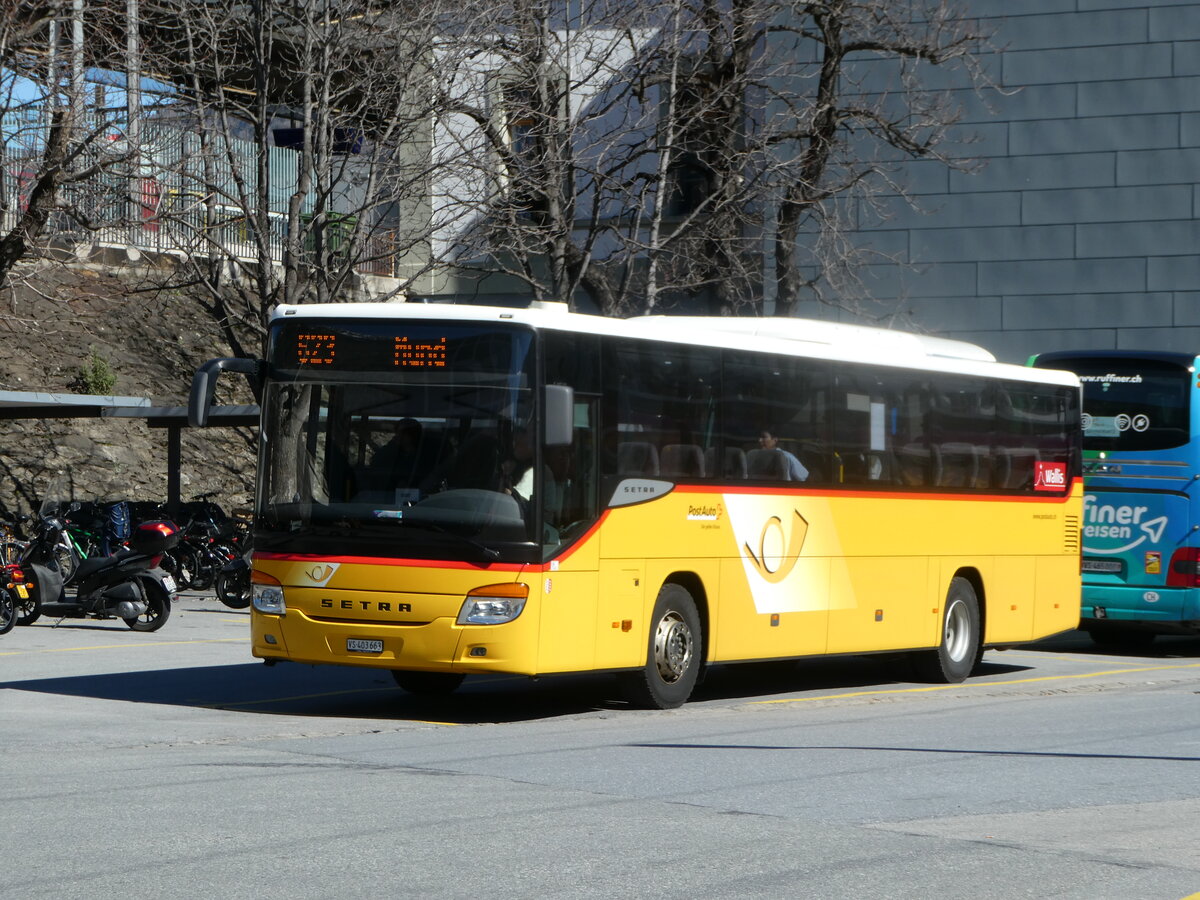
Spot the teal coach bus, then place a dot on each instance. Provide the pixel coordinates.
(1141, 519)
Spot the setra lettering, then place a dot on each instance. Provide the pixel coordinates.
(369, 605)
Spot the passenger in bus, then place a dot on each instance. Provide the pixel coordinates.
(555, 471)
(402, 463)
(519, 463)
(795, 469)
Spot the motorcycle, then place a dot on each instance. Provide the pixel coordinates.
(233, 582)
(127, 585)
(14, 591)
(67, 554)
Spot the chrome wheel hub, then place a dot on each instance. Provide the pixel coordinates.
(673, 647)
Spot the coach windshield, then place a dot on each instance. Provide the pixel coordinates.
(398, 440)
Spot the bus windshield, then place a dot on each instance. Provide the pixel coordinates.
(383, 443)
(1132, 405)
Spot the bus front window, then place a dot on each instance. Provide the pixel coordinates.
(402, 464)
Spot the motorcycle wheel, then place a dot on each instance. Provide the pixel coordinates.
(208, 565)
(233, 589)
(8, 611)
(180, 563)
(29, 610)
(67, 559)
(158, 609)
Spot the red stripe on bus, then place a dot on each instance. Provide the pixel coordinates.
(896, 495)
(391, 561)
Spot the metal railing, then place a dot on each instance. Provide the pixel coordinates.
(173, 196)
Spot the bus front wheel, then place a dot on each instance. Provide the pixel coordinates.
(673, 653)
(958, 651)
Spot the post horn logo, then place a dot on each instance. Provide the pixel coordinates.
(320, 573)
(772, 565)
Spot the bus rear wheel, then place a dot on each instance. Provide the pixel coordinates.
(958, 651)
(429, 684)
(673, 653)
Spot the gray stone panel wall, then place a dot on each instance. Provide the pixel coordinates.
(1082, 226)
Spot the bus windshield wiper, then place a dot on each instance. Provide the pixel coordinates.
(488, 553)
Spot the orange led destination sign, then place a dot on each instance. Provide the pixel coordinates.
(420, 349)
(422, 354)
(316, 349)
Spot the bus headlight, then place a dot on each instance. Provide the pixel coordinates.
(494, 604)
(268, 594)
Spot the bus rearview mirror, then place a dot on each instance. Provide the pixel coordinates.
(560, 409)
(204, 385)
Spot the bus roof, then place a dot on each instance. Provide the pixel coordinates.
(1058, 356)
(793, 336)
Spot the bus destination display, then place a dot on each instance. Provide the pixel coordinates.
(315, 349)
(321, 349)
(426, 354)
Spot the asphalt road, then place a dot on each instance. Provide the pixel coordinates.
(172, 765)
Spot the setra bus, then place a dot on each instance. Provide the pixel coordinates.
(1141, 547)
(449, 490)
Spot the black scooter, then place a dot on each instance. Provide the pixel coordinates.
(128, 585)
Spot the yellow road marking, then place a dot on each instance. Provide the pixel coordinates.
(977, 684)
(124, 646)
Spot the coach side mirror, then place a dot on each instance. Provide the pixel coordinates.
(560, 410)
(204, 384)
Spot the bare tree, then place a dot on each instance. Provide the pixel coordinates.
(65, 158)
(866, 108)
(646, 153)
(305, 160)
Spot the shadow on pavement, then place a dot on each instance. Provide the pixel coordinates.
(1163, 646)
(341, 692)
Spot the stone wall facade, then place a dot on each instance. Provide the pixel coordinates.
(1081, 230)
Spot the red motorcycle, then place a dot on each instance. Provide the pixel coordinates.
(16, 595)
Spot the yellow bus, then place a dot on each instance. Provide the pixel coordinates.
(451, 490)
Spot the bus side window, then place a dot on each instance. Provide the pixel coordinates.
(786, 398)
(1020, 427)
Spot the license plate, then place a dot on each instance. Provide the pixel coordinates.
(1109, 566)
(169, 583)
(357, 645)
(22, 592)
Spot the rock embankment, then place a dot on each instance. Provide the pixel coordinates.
(53, 321)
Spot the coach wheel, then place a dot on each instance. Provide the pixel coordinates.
(427, 683)
(673, 653)
(958, 651)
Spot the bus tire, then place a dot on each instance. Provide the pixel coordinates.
(428, 684)
(673, 653)
(957, 652)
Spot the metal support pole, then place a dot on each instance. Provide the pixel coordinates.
(174, 462)
(133, 114)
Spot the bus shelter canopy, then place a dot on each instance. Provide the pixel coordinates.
(42, 405)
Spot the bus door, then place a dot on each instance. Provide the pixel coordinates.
(568, 501)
